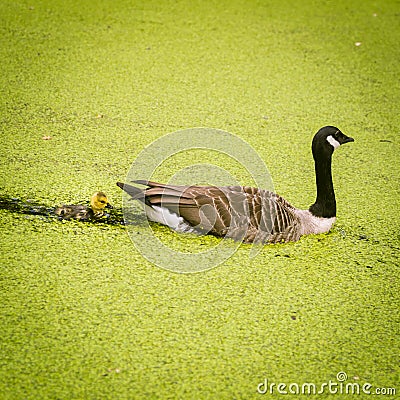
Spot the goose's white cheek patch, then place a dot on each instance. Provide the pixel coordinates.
(331, 140)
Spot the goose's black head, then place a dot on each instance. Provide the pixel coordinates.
(326, 140)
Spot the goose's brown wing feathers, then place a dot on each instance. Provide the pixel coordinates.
(240, 212)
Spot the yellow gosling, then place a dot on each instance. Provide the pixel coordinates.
(98, 202)
(80, 212)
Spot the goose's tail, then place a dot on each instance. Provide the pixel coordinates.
(134, 192)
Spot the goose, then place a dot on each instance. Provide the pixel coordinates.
(243, 213)
(98, 202)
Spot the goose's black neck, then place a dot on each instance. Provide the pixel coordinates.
(325, 204)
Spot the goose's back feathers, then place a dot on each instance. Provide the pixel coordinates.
(239, 212)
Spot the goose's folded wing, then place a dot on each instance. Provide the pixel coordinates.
(242, 213)
(261, 216)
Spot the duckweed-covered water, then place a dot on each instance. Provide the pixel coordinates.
(85, 86)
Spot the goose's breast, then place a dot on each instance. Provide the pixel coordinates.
(310, 224)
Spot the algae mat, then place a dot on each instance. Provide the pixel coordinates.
(85, 86)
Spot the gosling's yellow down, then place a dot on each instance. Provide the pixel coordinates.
(98, 202)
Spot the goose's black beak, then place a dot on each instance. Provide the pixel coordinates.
(109, 205)
(342, 138)
(347, 139)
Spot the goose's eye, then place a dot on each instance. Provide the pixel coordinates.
(102, 201)
(338, 134)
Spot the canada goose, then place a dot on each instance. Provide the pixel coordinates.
(245, 213)
(98, 202)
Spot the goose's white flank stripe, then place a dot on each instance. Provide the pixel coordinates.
(166, 217)
(331, 140)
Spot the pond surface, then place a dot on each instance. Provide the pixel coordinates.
(85, 88)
